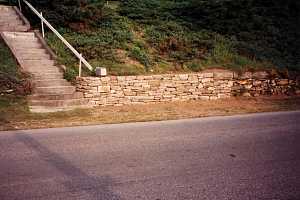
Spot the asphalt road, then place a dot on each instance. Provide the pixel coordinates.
(224, 158)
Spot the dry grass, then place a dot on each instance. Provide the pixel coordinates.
(15, 116)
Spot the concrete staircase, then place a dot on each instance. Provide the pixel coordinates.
(51, 92)
(12, 20)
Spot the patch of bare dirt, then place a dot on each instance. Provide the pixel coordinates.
(13, 119)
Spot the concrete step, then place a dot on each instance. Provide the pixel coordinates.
(37, 63)
(14, 28)
(21, 51)
(41, 71)
(26, 40)
(53, 82)
(40, 67)
(8, 22)
(29, 53)
(48, 76)
(76, 95)
(5, 8)
(8, 14)
(19, 34)
(55, 90)
(58, 103)
(26, 44)
(34, 57)
(12, 36)
(29, 56)
(11, 23)
(9, 18)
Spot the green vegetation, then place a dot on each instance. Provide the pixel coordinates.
(140, 55)
(12, 80)
(8, 65)
(162, 36)
(13, 84)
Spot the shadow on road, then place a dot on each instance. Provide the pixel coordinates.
(77, 180)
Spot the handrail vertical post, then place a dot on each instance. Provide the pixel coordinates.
(42, 23)
(20, 5)
(79, 71)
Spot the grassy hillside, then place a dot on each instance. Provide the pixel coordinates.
(8, 64)
(13, 85)
(12, 80)
(162, 36)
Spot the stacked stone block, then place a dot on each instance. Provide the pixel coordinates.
(260, 83)
(122, 90)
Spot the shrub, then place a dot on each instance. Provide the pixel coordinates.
(70, 74)
(64, 12)
(8, 64)
(141, 56)
(223, 50)
(194, 66)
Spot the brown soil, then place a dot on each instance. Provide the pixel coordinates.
(12, 118)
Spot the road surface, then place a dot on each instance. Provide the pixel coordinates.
(245, 157)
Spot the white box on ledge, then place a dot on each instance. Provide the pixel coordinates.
(101, 71)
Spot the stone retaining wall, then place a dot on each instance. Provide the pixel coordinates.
(121, 90)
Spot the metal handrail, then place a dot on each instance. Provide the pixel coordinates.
(44, 21)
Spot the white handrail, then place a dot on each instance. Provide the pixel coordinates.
(77, 54)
